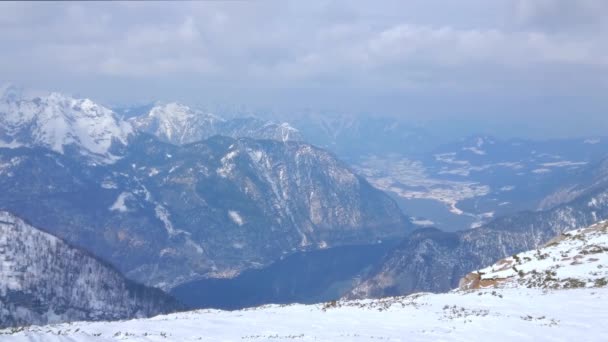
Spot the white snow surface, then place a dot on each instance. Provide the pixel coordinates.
(491, 315)
(422, 222)
(563, 163)
(474, 149)
(56, 121)
(592, 141)
(236, 217)
(541, 170)
(287, 132)
(119, 204)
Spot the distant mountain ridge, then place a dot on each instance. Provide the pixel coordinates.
(466, 183)
(179, 124)
(591, 179)
(352, 137)
(63, 123)
(44, 280)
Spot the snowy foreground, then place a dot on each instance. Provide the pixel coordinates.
(555, 293)
(489, 315)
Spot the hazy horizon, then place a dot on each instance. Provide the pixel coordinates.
(512, 68)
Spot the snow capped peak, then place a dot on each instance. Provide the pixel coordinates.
(179, 124)
(176, 123)
(56, 121)
(182, 113)
(177, 112)
(288, 132)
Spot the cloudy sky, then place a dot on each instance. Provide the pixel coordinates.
(518, 63)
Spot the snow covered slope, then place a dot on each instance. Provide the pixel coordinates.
(578, 258)
(521, 311)
(44, 280)
(179, 124)
(59, 122)
(494, 315)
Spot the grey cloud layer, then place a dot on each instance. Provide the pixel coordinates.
(380, 47)
(288, 40)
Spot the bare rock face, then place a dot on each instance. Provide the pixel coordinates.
(470, 281)
(474, 281)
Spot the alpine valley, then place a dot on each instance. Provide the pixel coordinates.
(167, 211)
(129, 213)
(434, 260)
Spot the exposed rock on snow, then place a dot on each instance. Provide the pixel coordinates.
(578, 258)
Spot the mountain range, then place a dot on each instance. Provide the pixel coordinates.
(168, 213)
(60, 123)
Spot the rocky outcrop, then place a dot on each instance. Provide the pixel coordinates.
(578, 258)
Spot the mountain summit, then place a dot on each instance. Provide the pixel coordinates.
(177, 123)
(60, 123)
